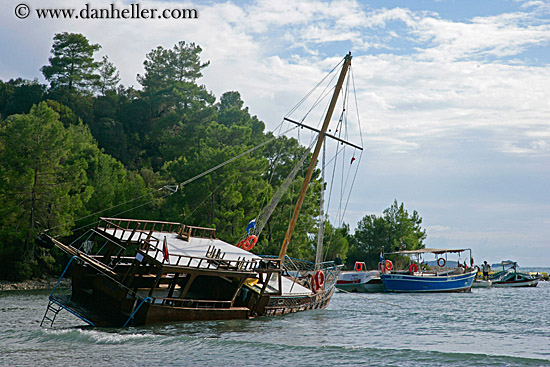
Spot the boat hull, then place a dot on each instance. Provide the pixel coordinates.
(517, 283)
(360, 281)
(284, 304)
(419, 283)
(482, 284)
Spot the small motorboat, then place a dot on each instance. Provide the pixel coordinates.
(360, 280)
(509, 276)
(481, 283)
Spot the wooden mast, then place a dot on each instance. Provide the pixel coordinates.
(313, 163)
(321, 230)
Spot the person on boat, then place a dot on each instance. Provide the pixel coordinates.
(486, 268)
(337, 260)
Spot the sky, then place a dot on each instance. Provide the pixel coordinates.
(453, 95)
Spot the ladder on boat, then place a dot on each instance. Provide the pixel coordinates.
(51, 313)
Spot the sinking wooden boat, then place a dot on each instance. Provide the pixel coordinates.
(141, 272)
(147, 272)
(419, 279)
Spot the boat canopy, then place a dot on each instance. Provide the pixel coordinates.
(428, 250)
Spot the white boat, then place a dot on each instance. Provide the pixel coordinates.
(360, 280)
(481, 283)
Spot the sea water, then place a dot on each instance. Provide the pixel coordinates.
(485, 327)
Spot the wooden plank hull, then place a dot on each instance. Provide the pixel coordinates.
(110, 289)
(155, 314)
(281, 305)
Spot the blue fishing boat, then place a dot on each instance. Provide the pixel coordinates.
(442, 276)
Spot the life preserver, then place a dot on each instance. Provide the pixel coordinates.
(246, 244)
(358, 266)
(441, 262)
(317, 281)
(413, 268)
(388, 265)
(319, 278)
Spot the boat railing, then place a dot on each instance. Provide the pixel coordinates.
(185, 232)
(302, 271)
(134, 226)
(133, 230)
(213, 259)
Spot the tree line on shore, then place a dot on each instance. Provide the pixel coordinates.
(84, 146)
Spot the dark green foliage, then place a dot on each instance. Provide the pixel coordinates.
(43, 185)
(72, 65)
(394, 231)
(109, 77)
(169, 79)
(336, 242)
(19, 95)
(51, 175)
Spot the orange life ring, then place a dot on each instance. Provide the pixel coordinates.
(246, 244)
(441, 262)
(388, 265)
(413, 268)
(358, 266)
(319, 278)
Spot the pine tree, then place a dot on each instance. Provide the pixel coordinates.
(72, 65)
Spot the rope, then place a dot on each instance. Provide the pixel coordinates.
(266, 213)
(115, 215)
(313, 89)
(230, 160)
(103, 210)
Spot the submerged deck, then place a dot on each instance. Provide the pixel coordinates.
(191, 251)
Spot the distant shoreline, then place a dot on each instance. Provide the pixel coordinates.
(32, 284)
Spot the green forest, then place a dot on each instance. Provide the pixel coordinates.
(84, 146)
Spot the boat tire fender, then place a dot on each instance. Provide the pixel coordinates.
(388, 265)
(441, 262)
(248, 243)
(413, 268)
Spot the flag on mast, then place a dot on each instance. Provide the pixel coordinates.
(251, 226)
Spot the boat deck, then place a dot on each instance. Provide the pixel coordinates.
(195, 248)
